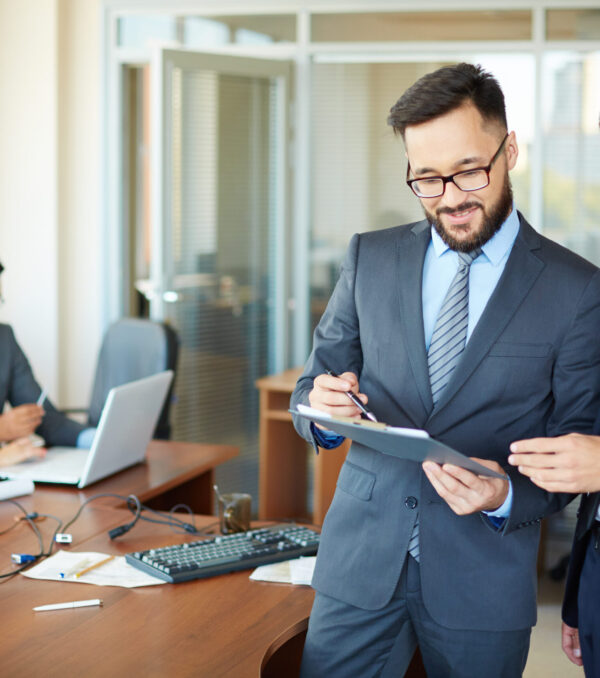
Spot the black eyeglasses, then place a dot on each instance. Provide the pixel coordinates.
(467, 180)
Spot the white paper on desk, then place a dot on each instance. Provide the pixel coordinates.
(116, 572)
(15, 487)
(297, 571)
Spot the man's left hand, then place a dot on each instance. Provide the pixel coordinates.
(466, 492)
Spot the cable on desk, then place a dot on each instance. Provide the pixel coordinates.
(34, 527)
(137, 508)
(133, 504)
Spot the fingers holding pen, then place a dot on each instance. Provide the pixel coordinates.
(330, 394)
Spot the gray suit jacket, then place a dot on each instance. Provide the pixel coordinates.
(530, 368)
(18, 387)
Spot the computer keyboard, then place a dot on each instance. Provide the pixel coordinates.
(217, 555)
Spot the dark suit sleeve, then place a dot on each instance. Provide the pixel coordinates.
(576, 394)
(19, 387)
(336, 340)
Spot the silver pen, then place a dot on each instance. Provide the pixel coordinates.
(355, 399)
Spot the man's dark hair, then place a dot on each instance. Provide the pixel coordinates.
(443, 91)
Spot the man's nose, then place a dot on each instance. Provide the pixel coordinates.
(453, 196)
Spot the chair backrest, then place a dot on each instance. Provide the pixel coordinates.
(134, 348)
(284, 655)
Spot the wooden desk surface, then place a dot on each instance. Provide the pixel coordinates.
(211, 627)
(168, 465)
(169, 469)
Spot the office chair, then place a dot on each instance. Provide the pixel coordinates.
(133, 348)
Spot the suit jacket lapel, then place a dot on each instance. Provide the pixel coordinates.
(521, 271)
(411, 255)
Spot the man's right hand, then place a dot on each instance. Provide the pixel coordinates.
(20, 421)
(570, 644)
(329, 395)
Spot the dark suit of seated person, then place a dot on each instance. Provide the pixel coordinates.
(19, 388)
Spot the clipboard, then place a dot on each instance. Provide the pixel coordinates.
(404, 443)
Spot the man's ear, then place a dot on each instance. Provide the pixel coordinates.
(512, 150)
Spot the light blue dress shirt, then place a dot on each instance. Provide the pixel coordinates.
(439, 268)
(86, 438)
(441, 264)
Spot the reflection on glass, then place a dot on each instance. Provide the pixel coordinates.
(139, 30)
(573, 24)
(571, 151)
(223, 176)
(264, 27)
(201, 32)
(411, 26)
(245, 37)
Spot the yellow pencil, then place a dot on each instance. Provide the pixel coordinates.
(94, 566)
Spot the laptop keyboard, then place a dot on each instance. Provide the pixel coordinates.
(240, 551)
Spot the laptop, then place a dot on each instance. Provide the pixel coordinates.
(125, 428)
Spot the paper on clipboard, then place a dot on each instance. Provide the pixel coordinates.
(404, 443)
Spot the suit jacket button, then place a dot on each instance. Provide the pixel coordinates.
(411, 502)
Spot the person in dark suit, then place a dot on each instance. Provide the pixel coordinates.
(474, 327)
(571, 463)
(19, 388)
(26, 416)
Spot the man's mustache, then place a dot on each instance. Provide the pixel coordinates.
(455, 210)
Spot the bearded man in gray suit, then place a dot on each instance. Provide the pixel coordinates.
(474, 327)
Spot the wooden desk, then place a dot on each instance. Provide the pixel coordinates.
(174, 472)
(283, 457)
(217, 627)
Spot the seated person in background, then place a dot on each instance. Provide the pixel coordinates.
(19, 388)
(18, 451)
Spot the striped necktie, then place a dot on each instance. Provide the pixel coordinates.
(447, 344)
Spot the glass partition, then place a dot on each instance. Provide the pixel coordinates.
(573, 24)
(421, 26)
(571, 149)
(202, 32)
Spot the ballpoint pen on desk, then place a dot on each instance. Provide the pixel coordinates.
(67, 606)
(356, 400)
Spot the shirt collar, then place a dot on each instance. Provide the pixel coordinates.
(496, 248)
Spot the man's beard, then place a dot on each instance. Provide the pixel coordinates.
(492, 220)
